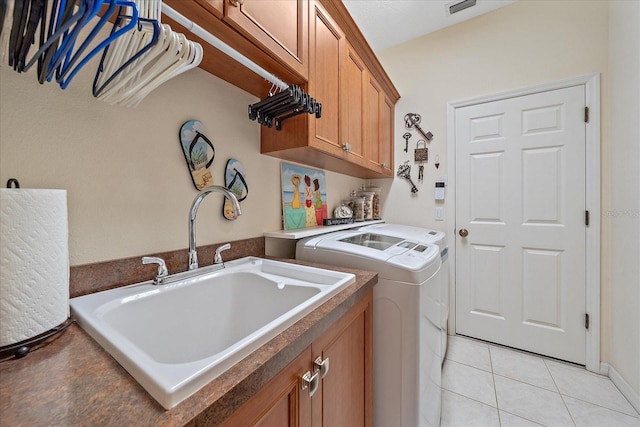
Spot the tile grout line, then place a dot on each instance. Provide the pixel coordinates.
(495, 389)
(586, 401)
(561, 395)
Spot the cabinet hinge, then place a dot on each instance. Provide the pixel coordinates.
(586, 320)
(586, 114)
(586, 218)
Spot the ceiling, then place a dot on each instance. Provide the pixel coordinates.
(387, 23)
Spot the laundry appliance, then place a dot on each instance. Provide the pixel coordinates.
(407, 314)
(431, 236)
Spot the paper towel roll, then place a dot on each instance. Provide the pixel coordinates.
(34, 262)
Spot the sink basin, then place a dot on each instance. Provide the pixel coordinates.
(175, 338)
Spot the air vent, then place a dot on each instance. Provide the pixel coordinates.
(460, 5)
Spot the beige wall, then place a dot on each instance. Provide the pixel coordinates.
(524, 44)
(129, 190)
(623, 215)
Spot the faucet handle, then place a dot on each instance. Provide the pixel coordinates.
(217, 259)
(162, 268)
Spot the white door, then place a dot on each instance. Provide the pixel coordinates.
(520, 201)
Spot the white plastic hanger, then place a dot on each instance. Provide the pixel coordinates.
(172, 55)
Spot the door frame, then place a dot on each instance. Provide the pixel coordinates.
(591, 82)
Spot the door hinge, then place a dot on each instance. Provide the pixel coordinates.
(586, 114)
(586, 320)
(586, 218)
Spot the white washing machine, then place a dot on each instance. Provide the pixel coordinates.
(432, 236)
(407, 316)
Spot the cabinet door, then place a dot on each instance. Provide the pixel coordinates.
(345, 394)
(326, 45)
(385, 152)
(378, 122)
(216, 7)
(280, 403)
(281, 26)
(372, 114)
(352, 108)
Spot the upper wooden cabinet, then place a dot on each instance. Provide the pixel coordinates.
(273, 34)
(349, 138)
(280, 26)
(317, 45)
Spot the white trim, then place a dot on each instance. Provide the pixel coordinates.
(627, 391)
(592, 99)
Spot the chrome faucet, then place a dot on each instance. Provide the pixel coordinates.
(193, 256)
(162, 272)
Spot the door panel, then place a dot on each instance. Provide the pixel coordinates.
(520, 174)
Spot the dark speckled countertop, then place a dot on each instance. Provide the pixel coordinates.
(72, 381)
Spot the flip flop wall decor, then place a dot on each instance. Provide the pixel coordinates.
(198, 153)
(235, 180)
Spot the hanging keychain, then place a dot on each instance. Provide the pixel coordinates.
(420, 172)
(437, 163)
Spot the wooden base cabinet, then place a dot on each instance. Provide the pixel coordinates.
(328, 384)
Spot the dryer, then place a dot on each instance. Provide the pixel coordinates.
(407, 317)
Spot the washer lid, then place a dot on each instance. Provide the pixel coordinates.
(408, 231)
(403, 253)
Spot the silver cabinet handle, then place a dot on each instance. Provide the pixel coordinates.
(236, 3)
(312, 382)
(346, 146)
(321, 365)
(384, 165)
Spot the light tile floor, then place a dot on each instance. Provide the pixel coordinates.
(491, 386)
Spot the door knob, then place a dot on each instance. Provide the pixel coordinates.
(463, 232)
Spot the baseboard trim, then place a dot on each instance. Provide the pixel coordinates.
(627, 391)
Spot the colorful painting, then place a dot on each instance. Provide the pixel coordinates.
(304, 196)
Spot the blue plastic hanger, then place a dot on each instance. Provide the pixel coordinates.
(112, 37)
(68, 41)
(156, 34)
(69, 59)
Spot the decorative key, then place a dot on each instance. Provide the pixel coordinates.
(406, 137)
(412, 121)
(420, 173)
(404, 171)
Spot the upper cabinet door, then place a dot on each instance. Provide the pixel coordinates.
(281, 26)
(326, 45)
(385, 153)
(372, 127)
(216, 7)
(352, 117)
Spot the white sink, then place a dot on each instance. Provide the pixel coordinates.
(175, 338)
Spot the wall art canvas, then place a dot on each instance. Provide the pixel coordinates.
(304, 196)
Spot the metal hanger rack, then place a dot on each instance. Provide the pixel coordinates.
(222, 46)
(274, 109)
